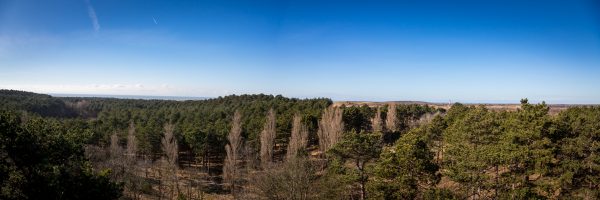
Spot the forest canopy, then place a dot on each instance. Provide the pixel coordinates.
(237, 146)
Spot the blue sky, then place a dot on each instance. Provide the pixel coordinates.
(470, 51)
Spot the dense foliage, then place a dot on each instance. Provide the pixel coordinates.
(466, 152)
(42, 104)
(39, 159)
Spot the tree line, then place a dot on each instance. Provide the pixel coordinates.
(272, 147)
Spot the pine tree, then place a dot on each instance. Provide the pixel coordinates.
(359, 149)
(406, 170)
(579, 153)
(528, 149)
(472, 150)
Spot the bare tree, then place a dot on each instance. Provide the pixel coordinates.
(298, 139)
(294, 179)
(134, 182)
(171, 149)
(331, 128)
(391, 121)
(131, 141)
(230, 165)
(377, 122)
(424, 119)
(116, 161)
(267, 139)
(115, 148)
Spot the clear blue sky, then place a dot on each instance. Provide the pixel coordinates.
(470, 51)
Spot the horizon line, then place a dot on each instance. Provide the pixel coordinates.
(198, 98)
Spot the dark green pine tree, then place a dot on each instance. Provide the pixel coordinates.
(472, 152)
(528, 149)
(358, 149)
(579, 153)
(406, 170)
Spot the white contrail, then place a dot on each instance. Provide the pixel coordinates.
(92, 14)
(155, 22)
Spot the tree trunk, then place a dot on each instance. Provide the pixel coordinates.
(497, 182)
(363, 192)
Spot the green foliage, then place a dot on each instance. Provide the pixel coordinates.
(472, 148)
(201, 125)
(39, 160)
(409, 113)
(358, 118)
(527, 151)
(40, 104)
(481, 153)
(358, 149)
(204, 124)
(407, 117)
(578, 152)
(406, 170)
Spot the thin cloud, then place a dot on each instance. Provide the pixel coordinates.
(92, 14)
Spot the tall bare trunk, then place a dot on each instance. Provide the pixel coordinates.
(331, 128)
(298, 139)
(391, 121)
(171, 149)
(267, 139)
(230, 166)
(377, 122)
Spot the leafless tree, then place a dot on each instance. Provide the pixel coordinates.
(133, 181)
(171, 149)
(131, 141)
(391, 121)
(331, 128)
(116, 160)
(377, 122)
(424, 119)
(298, 139)
(267, 139)
(115, 148)
(293, 180)
(230, 165)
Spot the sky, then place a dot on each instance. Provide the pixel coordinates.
(438, 51)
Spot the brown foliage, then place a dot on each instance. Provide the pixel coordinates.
(171, 150)
(230, 166)
(131, 141)
(391, 121)
(377, 122)
(293, 179)
(331, 127)
(298, 139)
(169, 145)
(267, 139)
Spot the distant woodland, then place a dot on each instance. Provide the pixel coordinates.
(273, 147)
